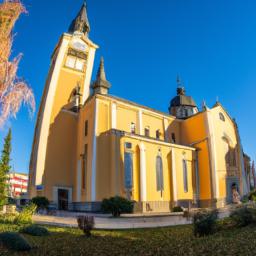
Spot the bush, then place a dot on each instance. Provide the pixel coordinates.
(205, 223)
(7, 218)
(177, 209)
(86, 224)
(25, 216)
(117, 205)
(243, 216)
(41, 202)
(14, 241)
(11, 201)
(252, 196)
(35, 230)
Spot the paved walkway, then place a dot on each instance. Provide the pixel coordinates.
(127, 221)
(117, 223)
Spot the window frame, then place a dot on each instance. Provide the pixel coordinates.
(86, 128)
(147, 131)
(222, 117)
(185, 175)
(76, 60)
(133, 128)
(159, 174)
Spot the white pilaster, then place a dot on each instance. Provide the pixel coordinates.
(140, 123)
(174, 176)
(94, 154)
(44, 120)
(113, 115)
(165, 129)
(88, 73)
(143, 174)
(78, 181)
(213, 154)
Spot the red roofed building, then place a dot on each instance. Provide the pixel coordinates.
(18, 183)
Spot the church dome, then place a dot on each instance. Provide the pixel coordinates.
(182, 106)
(181, 99)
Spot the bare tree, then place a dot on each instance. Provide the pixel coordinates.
(13, 90)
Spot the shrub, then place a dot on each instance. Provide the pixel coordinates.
(25, 216)
(35, 230)
(86, 224)
(177, 209)
(205, 223)
(245, 199)
(41, 202)
(252, 195)
(117, 205)
(243, 216)
(7, 218)
(14, 241)
(11, 201)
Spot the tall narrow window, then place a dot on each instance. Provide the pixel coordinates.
(147, 131)
(84, 166)
(159, 174)
(128, 170)
(158, 134)
(133, 128)
(173, 138)
(86, 128)
(185, 175)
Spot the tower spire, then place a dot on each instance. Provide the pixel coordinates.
(101, 84)
(81, 22)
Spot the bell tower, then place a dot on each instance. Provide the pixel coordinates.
(70, 72)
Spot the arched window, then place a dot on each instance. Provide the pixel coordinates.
(222, 117)
(185, 175)
(159, 174)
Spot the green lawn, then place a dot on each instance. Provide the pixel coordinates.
(162, 241)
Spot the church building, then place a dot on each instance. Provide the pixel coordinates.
(90, 145)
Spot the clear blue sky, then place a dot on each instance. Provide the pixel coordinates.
(211, 44)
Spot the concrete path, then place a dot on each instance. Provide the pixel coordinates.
(117, 223)
(126, 221)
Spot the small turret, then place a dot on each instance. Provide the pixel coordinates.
(101, 85)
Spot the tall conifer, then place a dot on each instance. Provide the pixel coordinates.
(5, 168)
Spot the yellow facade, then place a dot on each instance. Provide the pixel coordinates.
(91, 146)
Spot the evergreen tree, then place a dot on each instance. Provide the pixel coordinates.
(5, 168)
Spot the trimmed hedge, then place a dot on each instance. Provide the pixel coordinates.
(14, 241)
(177, 209)
(35, 230)
(41, 202)
(117, 205)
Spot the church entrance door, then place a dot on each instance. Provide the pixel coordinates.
(63, 199)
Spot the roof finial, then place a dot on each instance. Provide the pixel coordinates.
(204, 106)
(178, 81)
(180, 87)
